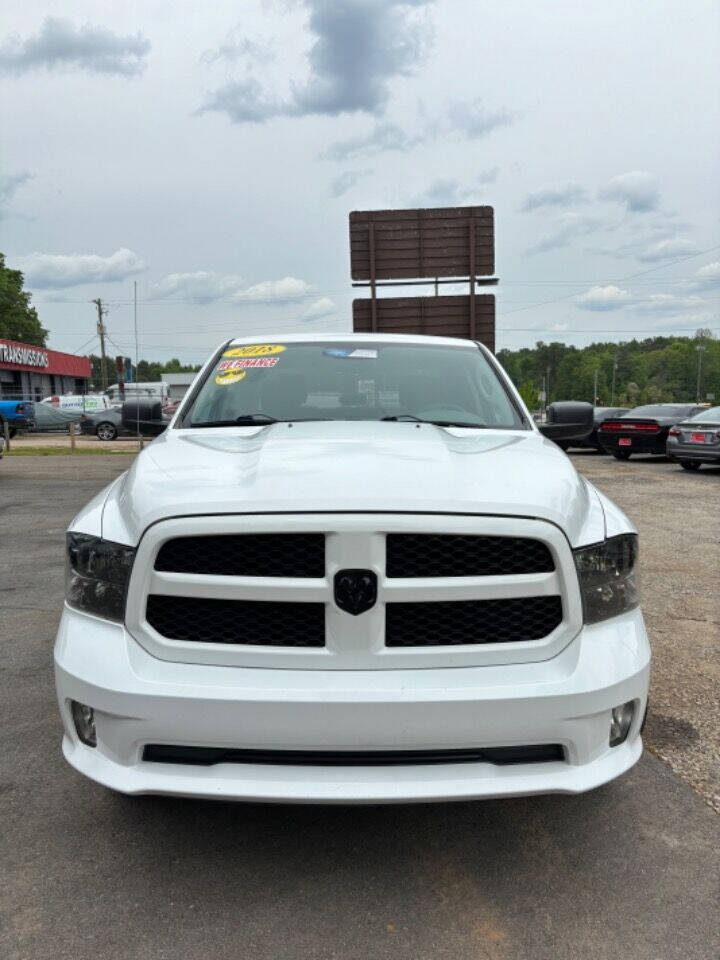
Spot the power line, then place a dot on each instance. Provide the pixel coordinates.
(632, 276)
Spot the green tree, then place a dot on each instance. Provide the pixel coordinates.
(18, 320)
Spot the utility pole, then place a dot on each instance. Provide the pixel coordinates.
(700, 348)
(595, 396)
(612, 397)
(101, 312)
(549, 368)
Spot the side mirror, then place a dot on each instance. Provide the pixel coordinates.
(568, 420)
(144, 417)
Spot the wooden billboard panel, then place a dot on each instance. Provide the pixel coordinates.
(435, 316)
(408, 244)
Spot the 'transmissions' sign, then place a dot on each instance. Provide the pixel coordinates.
(24, 356)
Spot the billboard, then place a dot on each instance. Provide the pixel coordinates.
(420, 247)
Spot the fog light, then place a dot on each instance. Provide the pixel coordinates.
(620, 723)
(84, 719)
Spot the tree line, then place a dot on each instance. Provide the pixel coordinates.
(147, 371)
(654, 370)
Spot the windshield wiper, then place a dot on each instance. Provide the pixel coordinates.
(248, 419)
(238, 421)
(438, 423)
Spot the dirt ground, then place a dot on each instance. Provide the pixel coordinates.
(677, 515)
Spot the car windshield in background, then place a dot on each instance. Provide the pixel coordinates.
(662, 410)
(711, 415)
(261, 383)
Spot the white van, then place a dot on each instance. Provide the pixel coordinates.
(82, 402)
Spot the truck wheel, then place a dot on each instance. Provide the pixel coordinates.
(621, 454)
(690, 464)
(106, 431)
(12, 432)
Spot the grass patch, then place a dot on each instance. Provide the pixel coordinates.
(67, 452)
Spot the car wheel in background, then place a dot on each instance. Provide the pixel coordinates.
(690, 464)
(106, 431)
(621, 454)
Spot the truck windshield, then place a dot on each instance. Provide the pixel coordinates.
(356, 380)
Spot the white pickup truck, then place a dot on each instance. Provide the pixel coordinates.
(352, 570)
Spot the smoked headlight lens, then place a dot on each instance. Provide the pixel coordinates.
(97, 575)
(608, 577)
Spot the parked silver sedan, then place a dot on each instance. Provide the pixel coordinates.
(696, 440)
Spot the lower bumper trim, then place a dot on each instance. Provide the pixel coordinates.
(207, 756)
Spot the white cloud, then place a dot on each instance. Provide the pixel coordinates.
(324, 307)
(49, 270)
(637, 190)
(286, 290)
(383, 136)
(449, 191)
(706, 278)
(668, 250)
(9, 186)
(474, 120)
(667, 302)
(201, 286)
(566, 227)
(359, 47)
(206, 286)
(346, 181)
(555, 195)
(240, 49)
(60, 44)
(612, 297)
(603, 298)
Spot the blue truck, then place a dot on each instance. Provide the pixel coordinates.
(18, 414)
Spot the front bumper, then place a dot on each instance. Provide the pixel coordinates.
(139, 699)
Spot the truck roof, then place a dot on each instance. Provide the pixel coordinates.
(360, 337)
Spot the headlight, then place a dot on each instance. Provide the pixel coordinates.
(97, 577)
(608, 577)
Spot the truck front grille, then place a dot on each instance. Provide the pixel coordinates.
(258, 623)
(448, 622)
(245, 555)
(461, 555)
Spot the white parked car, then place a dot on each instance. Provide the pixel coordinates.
(352, 570)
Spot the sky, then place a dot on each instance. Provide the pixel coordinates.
(211, 153)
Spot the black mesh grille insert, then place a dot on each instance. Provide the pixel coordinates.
(450, 622)
(464, 555)
(246, 555)
(256, 622)
(207, 756)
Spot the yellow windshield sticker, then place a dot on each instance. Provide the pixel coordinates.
(226, 377)
(255, 350)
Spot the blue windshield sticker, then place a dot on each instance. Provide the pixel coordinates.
(352, 353)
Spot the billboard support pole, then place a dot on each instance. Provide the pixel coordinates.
(373, 293)
(472, 277)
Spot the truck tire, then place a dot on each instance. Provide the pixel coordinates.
(621, 454)
(690, 464)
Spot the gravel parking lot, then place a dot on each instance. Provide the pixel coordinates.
(630, 870)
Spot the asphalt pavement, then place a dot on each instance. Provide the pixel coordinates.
(628, 871)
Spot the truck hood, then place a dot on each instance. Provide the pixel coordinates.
(346, 466)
